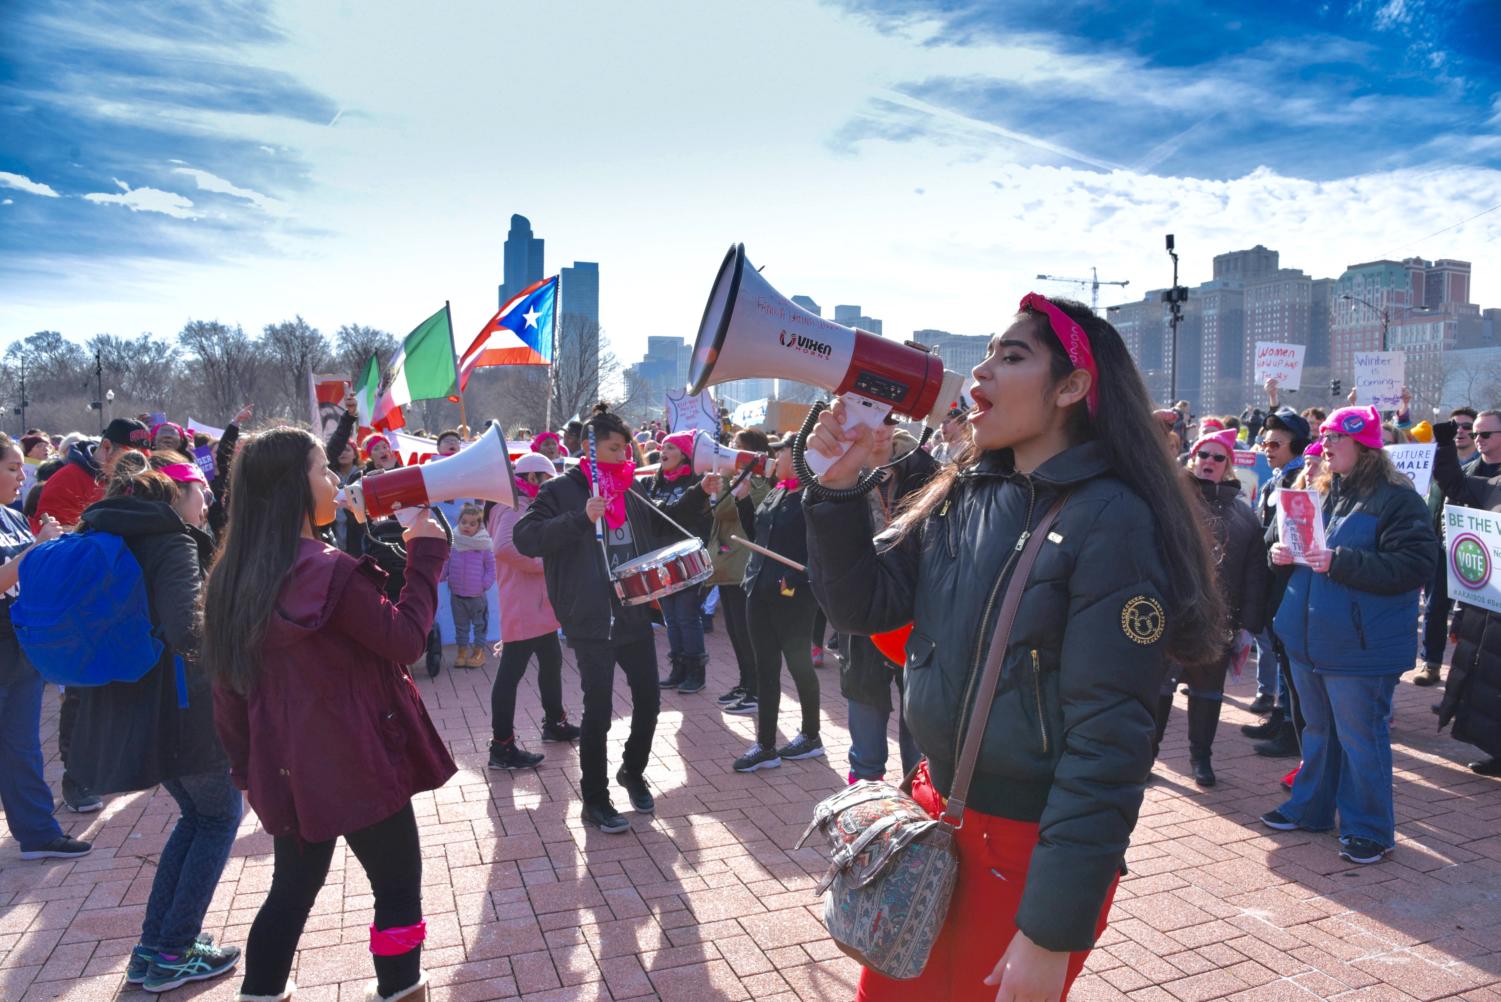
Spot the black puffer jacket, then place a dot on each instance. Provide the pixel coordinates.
(780, 527)
(1068, 743)
(556, 529)
(1239, 553)
(864, 674)
(133, 735)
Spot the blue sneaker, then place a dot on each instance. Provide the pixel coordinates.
(141, 959)
(202, 962)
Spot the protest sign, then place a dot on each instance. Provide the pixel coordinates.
(1282, 362)
(1300, 523)
(1379, 377)
(199, 428)
(1415, 460)
(685, 413)
(155, 418)
(751, 414)
(412, 449)
(204, 457)
(1252, 470)
(326, 393)
(1472, 547)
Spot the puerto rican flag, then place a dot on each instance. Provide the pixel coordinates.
(521, 333)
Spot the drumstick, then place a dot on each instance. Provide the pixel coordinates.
(599, 523)
(773, 554)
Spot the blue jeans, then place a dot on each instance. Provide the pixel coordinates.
(1347, 755)
(685, 625)
(868, 746)
(25, 795)
(192, 860)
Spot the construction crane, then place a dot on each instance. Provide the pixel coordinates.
(1093, 282)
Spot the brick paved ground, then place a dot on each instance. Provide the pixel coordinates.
(707, 902)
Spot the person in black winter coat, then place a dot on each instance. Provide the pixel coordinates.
(1242, 576)
(1123, 581)
(160, 730)
(1472, 696)
(865, 674)
(344, 461)
(779, 610)
(560, 527)
(684, 497)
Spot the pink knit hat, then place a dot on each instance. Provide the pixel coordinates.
(1363, 424)
(683, 440)
(1224, 439)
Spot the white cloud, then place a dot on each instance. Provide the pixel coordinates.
(218, 185)
(8, 201)
(22, 183)
(168, 203)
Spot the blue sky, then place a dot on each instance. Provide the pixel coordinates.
(359, 162)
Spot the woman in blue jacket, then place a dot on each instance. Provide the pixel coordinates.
(1349, 624)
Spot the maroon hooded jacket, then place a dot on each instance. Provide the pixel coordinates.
(333, 737)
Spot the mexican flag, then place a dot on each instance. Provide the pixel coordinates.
(422, 370)
(367, 391)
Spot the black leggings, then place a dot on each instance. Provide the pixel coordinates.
(780, 628)
(389, 852)
(514, 657)
(732, 600)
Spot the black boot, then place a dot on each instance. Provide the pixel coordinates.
(1164, 710)
(1203, 721)
(695, 668)
(1284, 744)
(1267, 728)
(676, 675)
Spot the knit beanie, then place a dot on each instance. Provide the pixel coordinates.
(1363, 424)
(1224, 439)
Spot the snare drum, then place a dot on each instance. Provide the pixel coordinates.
(662, 572)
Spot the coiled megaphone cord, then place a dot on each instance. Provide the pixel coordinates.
(806, 475)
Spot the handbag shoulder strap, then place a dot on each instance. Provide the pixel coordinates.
(990, 680)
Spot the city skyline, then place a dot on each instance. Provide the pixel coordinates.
(250, 163)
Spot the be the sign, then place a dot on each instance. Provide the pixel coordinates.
(1282, 362)
(1472, 544)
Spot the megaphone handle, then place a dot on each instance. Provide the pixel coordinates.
(858, 411)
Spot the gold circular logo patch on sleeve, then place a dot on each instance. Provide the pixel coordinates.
(1143, 620)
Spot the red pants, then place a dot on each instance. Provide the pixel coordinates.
(994, 854)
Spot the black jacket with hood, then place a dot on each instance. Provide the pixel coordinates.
(1239, 554)
(579, 586)
(1068, 741)
(133, 735)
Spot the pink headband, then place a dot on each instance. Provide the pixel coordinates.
(184, 473)
(544, 436)
(1075, 342)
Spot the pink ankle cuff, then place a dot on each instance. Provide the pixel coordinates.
(398, 940)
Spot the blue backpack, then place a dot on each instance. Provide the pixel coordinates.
(82, 615)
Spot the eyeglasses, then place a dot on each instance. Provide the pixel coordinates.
(1272, 443)
(1330, 437)
(1464, 426)
(1486, 434)
(1212, 457)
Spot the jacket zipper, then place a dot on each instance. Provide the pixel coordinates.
(995, 591)
(1042, 720)
(1359, 622)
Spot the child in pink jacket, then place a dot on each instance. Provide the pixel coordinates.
(470, 572)
(527, 627)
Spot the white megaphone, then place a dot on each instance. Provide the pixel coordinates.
(711, 457)
(751, 331)
(481, 470)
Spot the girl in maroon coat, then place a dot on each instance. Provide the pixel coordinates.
(324, 728)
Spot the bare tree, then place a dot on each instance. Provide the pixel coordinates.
(226, 363)
(295, 349)
(354, 344)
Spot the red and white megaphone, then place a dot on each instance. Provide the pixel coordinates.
(751, 331)
(481, 470)
(711, 457)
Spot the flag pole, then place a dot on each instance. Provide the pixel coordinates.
(458, 382)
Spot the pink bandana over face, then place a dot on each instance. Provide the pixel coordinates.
(526, 487)
(614, 480)
(1075, 342)
(790, 484)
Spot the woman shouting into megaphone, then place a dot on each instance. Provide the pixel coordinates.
(1123, 581)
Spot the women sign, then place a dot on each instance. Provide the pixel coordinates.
(1282, 362)
(1472, 546)
(1300, 523)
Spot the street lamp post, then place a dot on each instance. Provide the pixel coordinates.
(1174, 298)
(1383, 312)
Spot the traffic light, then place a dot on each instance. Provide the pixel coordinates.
(1334, 388)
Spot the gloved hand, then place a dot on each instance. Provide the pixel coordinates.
(1444, 432)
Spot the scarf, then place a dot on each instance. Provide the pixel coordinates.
(684, 469)
(479, 541)
(614, 480)
(790, 484)
(527, 487)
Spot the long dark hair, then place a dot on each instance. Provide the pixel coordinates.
(1129, 434)
(270, 504)
(136, 476)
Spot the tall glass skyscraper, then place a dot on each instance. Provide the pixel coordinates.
(523, 258)
(580, 321)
